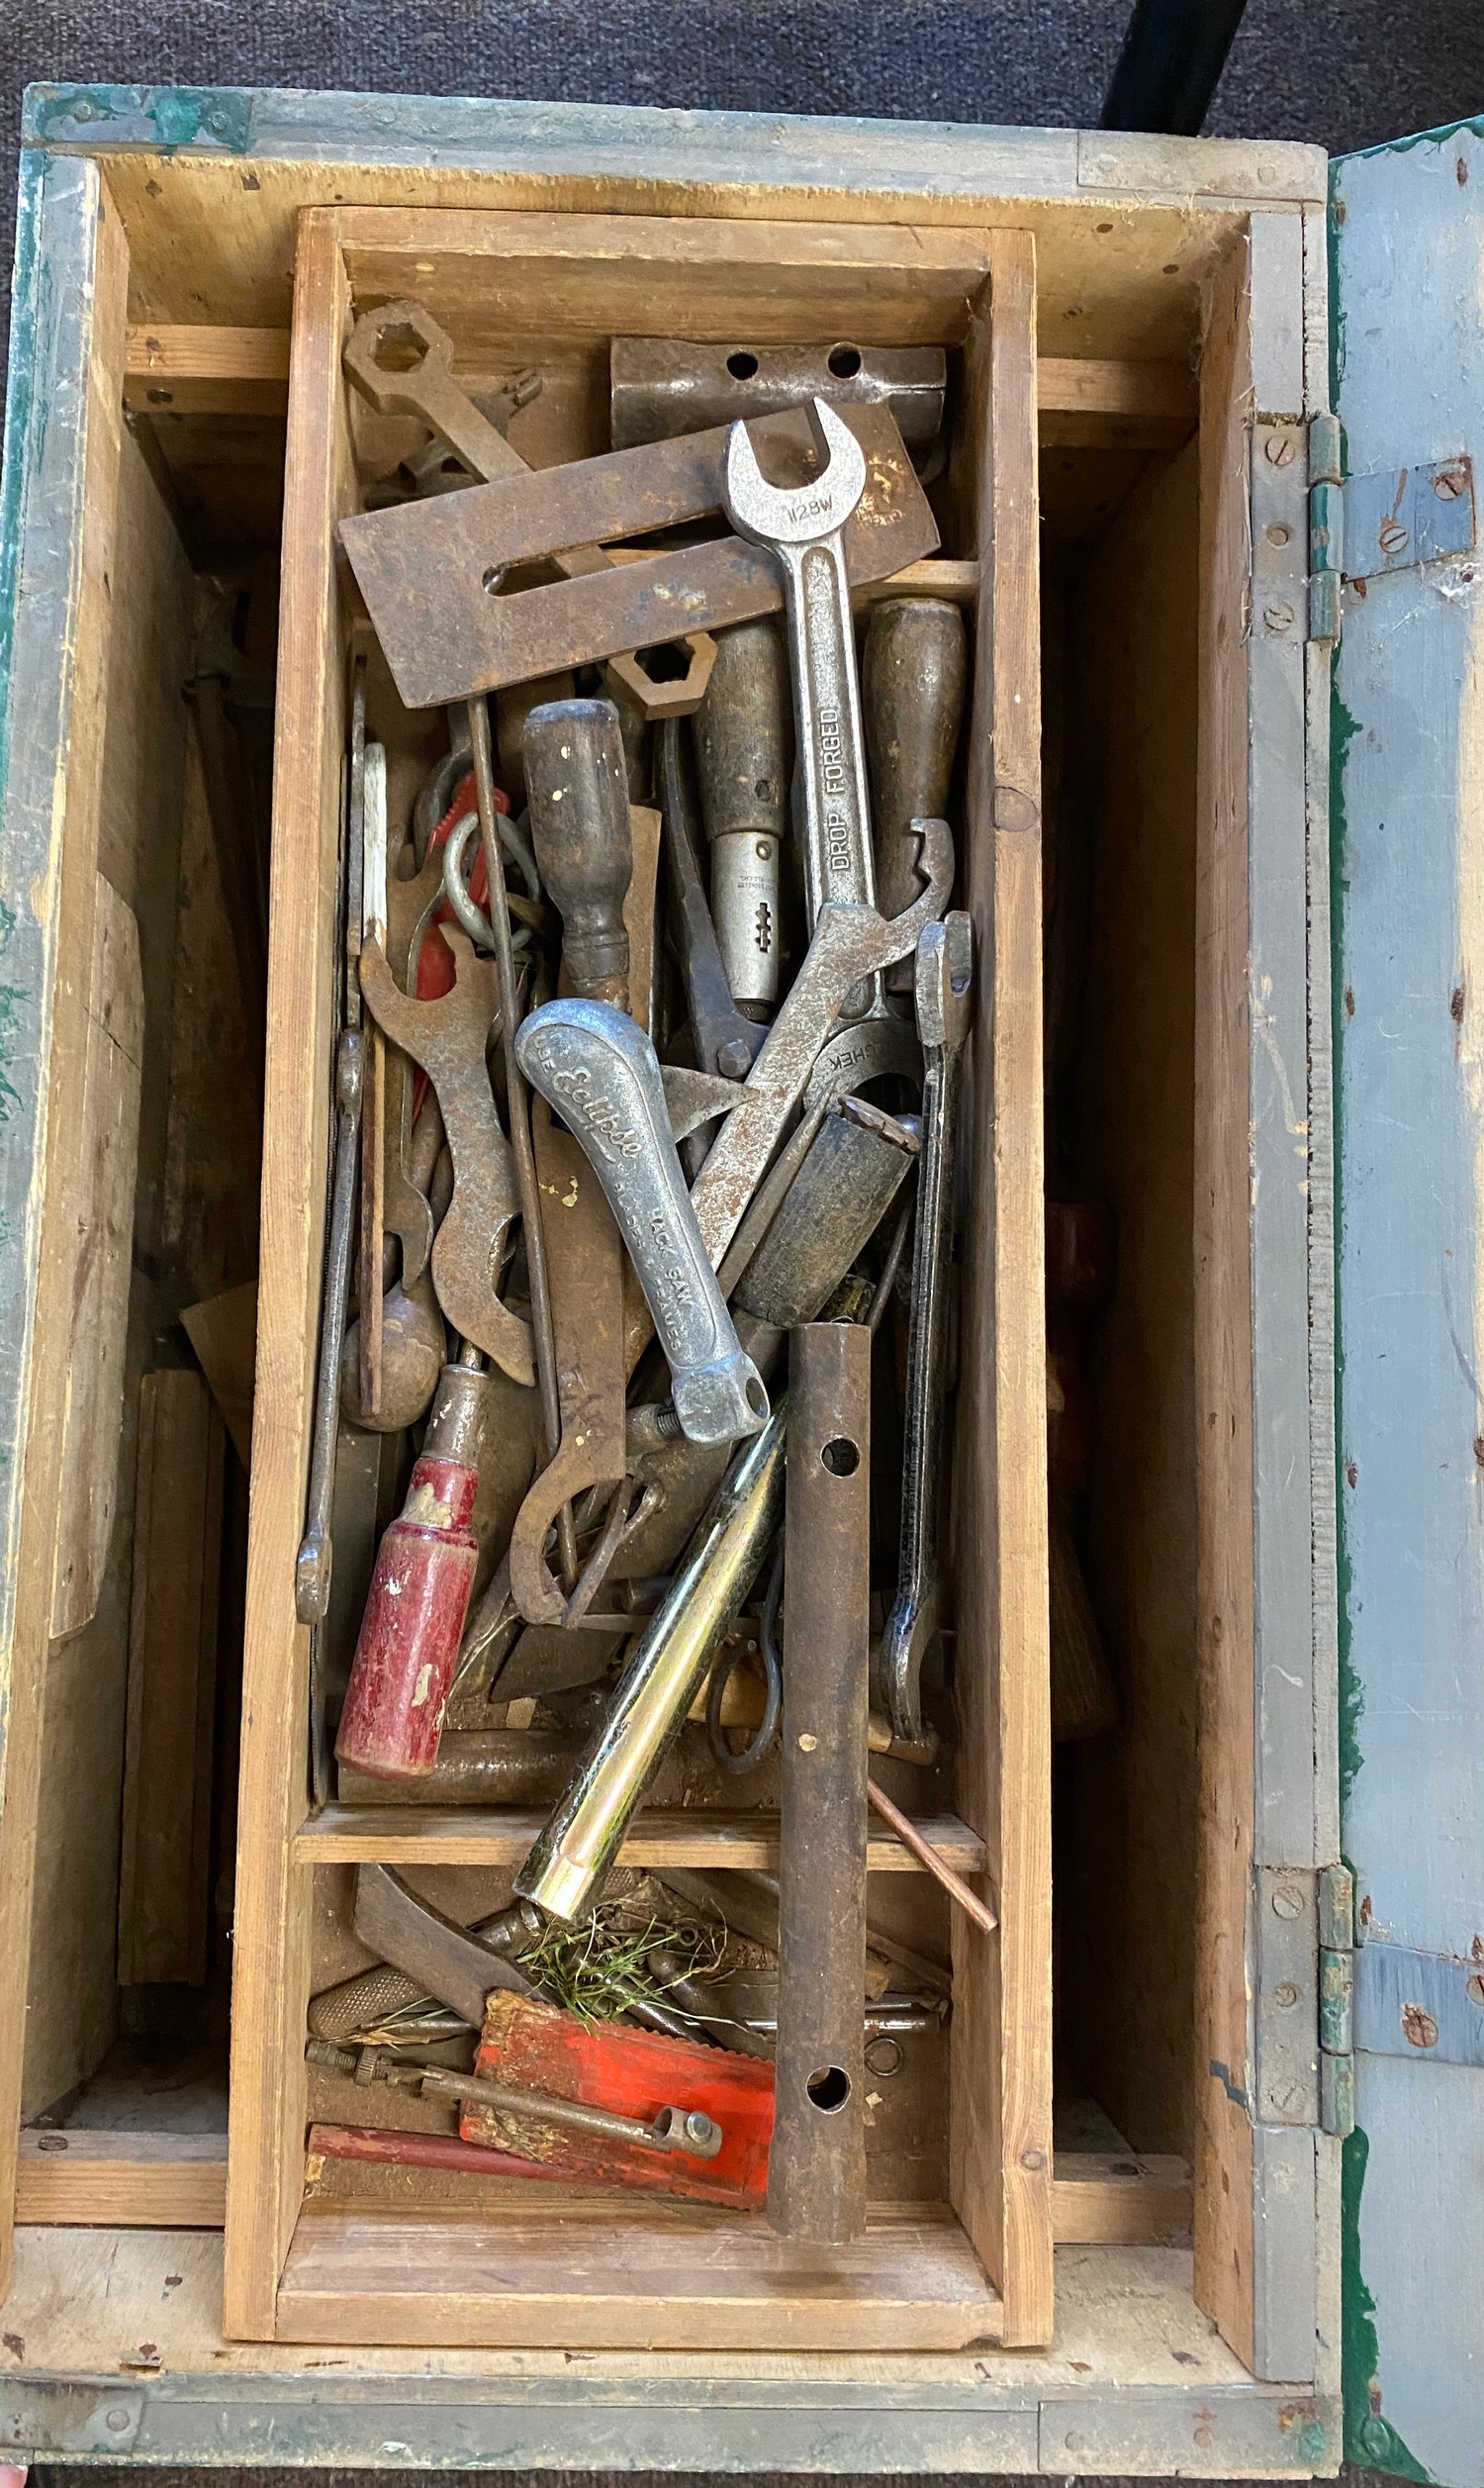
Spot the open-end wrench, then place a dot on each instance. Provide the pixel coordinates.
(801, 527)
(850, 944)
(599, 1073)
(447, 1038)
(945, 975)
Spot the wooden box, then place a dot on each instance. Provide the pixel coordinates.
(1136, 332)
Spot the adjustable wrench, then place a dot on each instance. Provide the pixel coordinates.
(599, 1073)
(801, 529)
(945, 976)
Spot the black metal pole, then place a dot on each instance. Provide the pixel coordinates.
(1173, 55)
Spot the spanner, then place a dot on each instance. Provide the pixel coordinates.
(801, 527)
(944, 978)
(850, 944)
(599, 1073)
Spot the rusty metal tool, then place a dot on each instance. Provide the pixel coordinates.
(585, 1832)
(444, 1958)
(518, 1104)
(945, 975)
(402, 362)
(599, 1073)
(743, 761)
(447, 1038)
(659, 386)
(816, 2171)
(804, 533)
(312, 1569)
(369, 1999)
(851, 943)
(430, 572)
(476, 1767)
(373, 1078)
(577, 792)
(585, 1264)
(725, 1040)
(862, 1051)
(688, 2130)
(857, 1164)
(913, 682)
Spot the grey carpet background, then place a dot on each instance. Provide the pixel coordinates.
(1345, 74)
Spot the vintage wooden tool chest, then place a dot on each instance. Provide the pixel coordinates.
(1107, 2233)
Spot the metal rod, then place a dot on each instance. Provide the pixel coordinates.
(926, 1854)
(518, 1106)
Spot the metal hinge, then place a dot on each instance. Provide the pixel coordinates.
(1325, 526)
(1337, 1999)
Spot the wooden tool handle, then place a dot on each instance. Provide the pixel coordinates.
(576, 786)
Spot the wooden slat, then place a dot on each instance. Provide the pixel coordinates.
(271, 1948)
(207, 371)
(1223, 2210)
(1121, 2199)
(1108, 405)
(164, 1869)
(223, 1330)
(1000, 2132)
(70, 334)
(107, 1164)
(119, 2180)
(387, 1835)
(245, 371)
(630, 2275)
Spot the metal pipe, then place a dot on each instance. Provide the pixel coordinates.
(817, 2168)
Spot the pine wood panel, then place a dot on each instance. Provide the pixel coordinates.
(69, 510)
(122, 2180)
(1001, 2035)
(1223, 2209)
(619, 2274)
(271, 1973)
(712, 1838)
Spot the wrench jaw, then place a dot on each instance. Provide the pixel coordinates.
(896, 1670)
(798, 513)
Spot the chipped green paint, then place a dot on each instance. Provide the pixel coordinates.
(1369, 2439)
(168, 117)
(18, 428)
(1422, 137)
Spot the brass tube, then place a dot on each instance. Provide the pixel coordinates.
(574, 1852)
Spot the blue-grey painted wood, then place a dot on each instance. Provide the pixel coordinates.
(41, 568)
(1409, 759)
(839, 153)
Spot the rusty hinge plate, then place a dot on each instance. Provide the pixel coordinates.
(1408, 514)
(1419, 2004)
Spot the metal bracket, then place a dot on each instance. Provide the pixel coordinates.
(1408, 514)
(1419, 2004)
(46, 2417)
(1286, 1997)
